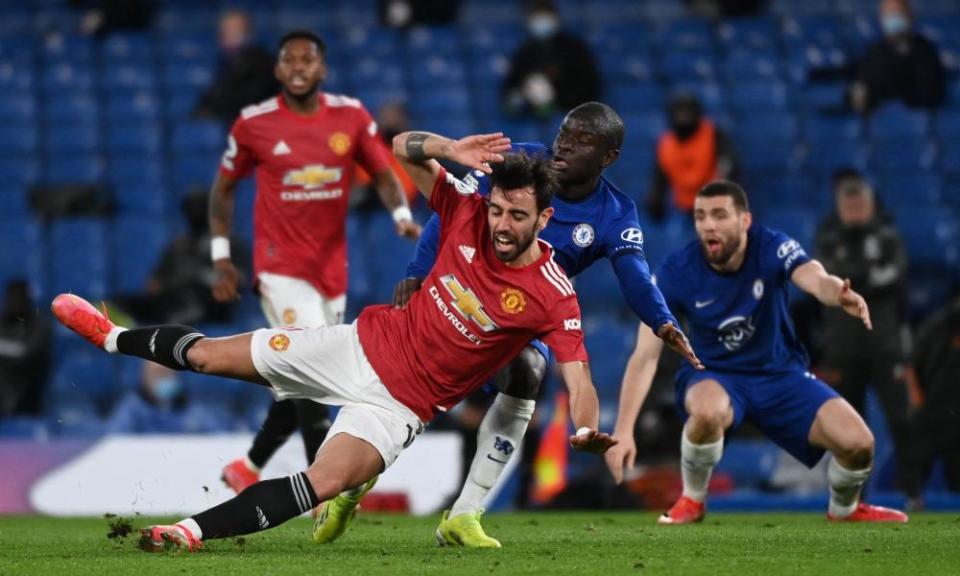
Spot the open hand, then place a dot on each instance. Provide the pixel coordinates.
(854, 304)
(677, 340)
(593, 442)
(478, 151)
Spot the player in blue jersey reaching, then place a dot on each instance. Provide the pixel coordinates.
(592, 220)
(731, 285)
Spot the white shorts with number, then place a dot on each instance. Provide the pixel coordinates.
(289, 301)
(327, 364)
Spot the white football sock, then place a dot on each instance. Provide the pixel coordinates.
(845, 486)
(499, 435)
(696, 465)
(191, 525)
(110, 344)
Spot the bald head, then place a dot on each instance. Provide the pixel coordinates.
(600, 119)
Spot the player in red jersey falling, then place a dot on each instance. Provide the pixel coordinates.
(493, 288)
(304, 145)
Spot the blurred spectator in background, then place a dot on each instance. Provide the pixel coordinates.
(859, 244)
(392, 119)
(159, 406)
(690, 154)
(179, 289)
(24, 341)
(101, 17)
(902, 66)
(404, 13)
(726, 8)
(244, 71)
(552, 70)
(935, 432)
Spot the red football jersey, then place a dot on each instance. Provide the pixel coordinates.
(472, 315)
(304, 167)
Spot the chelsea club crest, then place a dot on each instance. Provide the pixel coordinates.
(583, 235)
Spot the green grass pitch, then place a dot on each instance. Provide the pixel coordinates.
(596, 543)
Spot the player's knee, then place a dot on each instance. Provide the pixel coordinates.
(859, 451)
(708, 418)
(521, 378)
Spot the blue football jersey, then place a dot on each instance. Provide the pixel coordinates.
(738, 322)
(602, 225)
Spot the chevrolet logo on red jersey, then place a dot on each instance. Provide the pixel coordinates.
(312, 176)
(467, 303)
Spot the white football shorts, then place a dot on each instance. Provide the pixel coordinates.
(289, 301)
(327, 364)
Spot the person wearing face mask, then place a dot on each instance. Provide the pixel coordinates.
(903, 66)
(159, 405)
(690, 154)
(552, 70)
(244, 71)
(860, 243)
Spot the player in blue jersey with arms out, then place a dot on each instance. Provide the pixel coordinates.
(592, 220)
(731, 285)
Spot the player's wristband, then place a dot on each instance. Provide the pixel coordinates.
(402, 213)
(584, 431)
(219, 248)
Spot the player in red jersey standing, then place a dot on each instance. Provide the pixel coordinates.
(493, 288)
(304, 145)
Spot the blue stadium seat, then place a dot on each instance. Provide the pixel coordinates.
(17, 108)
(194, 170)
(19, 172)
(79, 257)
(136, 106)
(184, 47)
(598, 291)
(22, 254)
(70, 48)
(916, 189)
(903, 156)
(773, 126)
(643, 129)
(387, 255)
(190, 76)
(74, 169)
(85, 375)
(369, 72)
(127, 77)
(450, 100)
(932, 236)
(894, 122)
(766, 156)
(750, 33)
(748, 97)
(135, 138)
(768, 191)
(14, 202)
(180, 105)
(81, 137)
(632, 67)
(199, 135)
(709, 94)
(609, 342)
(947, 125)
(72, 107)
(376, 43)
(950, 156)
(452, 126)
(825, 129)
(18, 139)
(742, 66)
(499, 39)
(822, 96)
(359, 284)
(24, 428)
(824, 158)
(67, 78)
(136, 245)
(682, 66)
(436, 71)
(794, 221)
(132, 47)
(686, 34)
(133, 169)
(427, 42)
(374, 99)
(487, 70)
(143, 197)
(633, 97)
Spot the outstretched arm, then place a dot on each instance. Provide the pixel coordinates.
(418, 153)
(637, 380)
(226, 276)
(584, 409)
(813, 279)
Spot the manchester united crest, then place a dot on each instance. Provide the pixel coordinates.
(289, 316)
(512, 301)
(339, 143)
(280, 342)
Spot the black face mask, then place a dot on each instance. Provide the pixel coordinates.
(684, 131)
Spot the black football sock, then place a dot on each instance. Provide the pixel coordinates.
(262, 506)
(166, 345)
(276, 429)
(314, 421)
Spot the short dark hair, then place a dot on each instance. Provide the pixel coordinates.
(303, 35)
(844, 176)
(520, 171)
(601, 119)
(726, 188)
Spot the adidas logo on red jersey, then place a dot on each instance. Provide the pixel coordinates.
(468, 252)
(281, 148)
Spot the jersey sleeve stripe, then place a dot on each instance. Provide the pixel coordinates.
(556, 284)
(560, 274)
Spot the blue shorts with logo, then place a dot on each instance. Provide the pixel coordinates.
(782, 405)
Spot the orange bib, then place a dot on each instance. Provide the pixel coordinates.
(689, 165)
